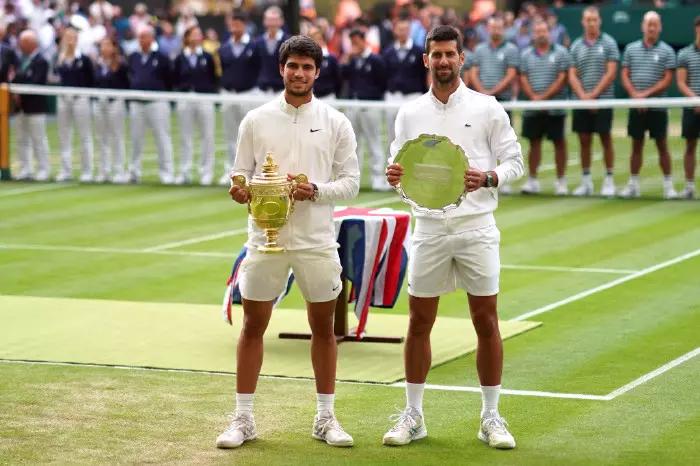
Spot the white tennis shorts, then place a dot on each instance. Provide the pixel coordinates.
(441, 263)
(263, 277)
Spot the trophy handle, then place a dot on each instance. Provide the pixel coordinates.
(240, 181)
(299, 179)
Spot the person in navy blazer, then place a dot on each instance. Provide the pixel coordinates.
(366, 75)
(31, 68)
(8, 62)
(195, 71)
(329, 81)
(74, 70)
(111, 72)
(150, 70)
(268, 46)
(240, 67)
(408, 77)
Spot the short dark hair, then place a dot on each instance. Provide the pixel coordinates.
(301, 46)
(697, 20)
(443, 34)
(239, 15)
(357, 32)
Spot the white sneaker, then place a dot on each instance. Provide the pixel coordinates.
(41, 176)
(531, 186)
(63, 177)
(494, 431)
(409, 426)
(241, 429)
(669, 192)
(167, 179)
(225, 180)
(181, 179)
(584, 189)
(505, 189)
(100, 178)
(206, 180)
(120, 178)
(630, 190)
(86, 178)
(688, 193)
(327, 429)
(608, 188)
(24, 176)
(560, 188)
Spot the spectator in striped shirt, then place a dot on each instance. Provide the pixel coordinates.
(594, 65)
(543, 69)
(647, 67)
(495, 67)
(688, 77)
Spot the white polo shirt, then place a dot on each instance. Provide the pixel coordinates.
(480, 125)
(314, 139)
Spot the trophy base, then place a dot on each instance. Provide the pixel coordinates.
(270, 249)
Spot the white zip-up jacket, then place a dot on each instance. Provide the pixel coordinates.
(480, 125)
(314, 139)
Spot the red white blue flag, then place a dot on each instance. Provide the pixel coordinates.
(373, 250)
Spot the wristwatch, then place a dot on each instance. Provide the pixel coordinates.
(314, 197)
(490, 182)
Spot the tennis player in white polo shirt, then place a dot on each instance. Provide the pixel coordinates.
(306, 136)
(458, 249)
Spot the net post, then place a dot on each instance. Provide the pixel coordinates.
(4, 132)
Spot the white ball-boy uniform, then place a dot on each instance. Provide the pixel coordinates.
(460, 248)
(318, 141)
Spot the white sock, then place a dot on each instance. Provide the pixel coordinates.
(562, 180)
(587, 178)
(634, 179)
(668, 179)
(244, 403)
(690, 184)
(325, 402)
(414, 396)
(489, 400)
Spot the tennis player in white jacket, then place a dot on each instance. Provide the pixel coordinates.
(306, 136)
(458, 249)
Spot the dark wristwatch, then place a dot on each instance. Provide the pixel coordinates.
(314, 197)
(490, 182)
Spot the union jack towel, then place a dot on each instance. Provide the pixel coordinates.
(374, 245)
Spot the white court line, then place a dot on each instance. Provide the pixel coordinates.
(239, 231)
(533, 393)
(655, 373)
(506, 391)
(608, 285)
(198, 239)
(555, 268)
(89, 249)
(35, 189)
(40, 247)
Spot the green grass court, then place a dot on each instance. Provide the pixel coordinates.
(134, 275)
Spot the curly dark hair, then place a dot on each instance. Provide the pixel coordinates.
(301, 46)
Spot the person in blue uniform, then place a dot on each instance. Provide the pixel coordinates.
(111, 72)
(329, 81)
(407, 79)
(195, 71)
(240, 67)
(74, 70)
(150, 70)
(366, 74)
(268, 45)
(31, 68)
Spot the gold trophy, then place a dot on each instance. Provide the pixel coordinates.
(271, 200)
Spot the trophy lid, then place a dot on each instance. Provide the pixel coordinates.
(269, 172)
